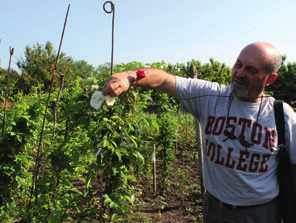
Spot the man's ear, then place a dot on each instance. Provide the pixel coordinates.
(271, 78)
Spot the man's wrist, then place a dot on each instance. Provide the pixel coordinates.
(132, 77)
(135, 76)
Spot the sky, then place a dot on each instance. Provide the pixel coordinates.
(175, 31)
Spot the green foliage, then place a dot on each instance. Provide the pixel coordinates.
(166, 142)
(83, 69)
(284, 86)
(38, 64)
(80, 133)
(14, 78)
(213, 71)
(106, 150)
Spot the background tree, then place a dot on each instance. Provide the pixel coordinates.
(14, 77)
(34, 74)
(285, 85)
(84, 70)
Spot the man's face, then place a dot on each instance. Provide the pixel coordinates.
(238, 90)
(249, 75)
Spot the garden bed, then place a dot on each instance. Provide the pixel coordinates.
(181, 203)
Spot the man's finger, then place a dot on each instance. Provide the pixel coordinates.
(110, 87)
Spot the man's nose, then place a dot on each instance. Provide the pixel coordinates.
(240, 73)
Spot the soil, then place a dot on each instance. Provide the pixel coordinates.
(182, 202)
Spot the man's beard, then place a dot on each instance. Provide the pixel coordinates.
(239, 91)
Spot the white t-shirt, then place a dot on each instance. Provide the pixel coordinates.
(233, 173)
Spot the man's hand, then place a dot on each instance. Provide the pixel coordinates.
(155, 79)
(118, 83)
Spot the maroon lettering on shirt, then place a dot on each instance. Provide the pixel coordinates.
(231, 126)
(228, 164)
(212, 148)
(253, 167)
(256, 132)
(251, 162)
(209, 126)
(264, 166)
(242, 166)
(218, 160)
(219, 126)
(244, 123)
(269, 139)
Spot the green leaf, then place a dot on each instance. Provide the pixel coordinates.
(132, 139)
(109, 126)
(115, 171)
(118, 153)
(107, 199)
(114, 143)
(154, 123)
(70, 168)
(19, 138)
(105, 143)
(133, 178)
(131, 198)
(88, 182)
(148, 97)
(21, 180)
(113, 205)
(139, 156)
(121, 199)
(75, 158)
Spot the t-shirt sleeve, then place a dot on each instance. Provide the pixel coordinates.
(196, 94)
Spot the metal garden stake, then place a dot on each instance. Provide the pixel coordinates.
(11, 51)
(109, 12)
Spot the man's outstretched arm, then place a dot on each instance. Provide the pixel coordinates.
(155, 79)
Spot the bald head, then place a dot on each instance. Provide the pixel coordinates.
(268, 54)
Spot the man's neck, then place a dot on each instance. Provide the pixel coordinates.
(250, 99)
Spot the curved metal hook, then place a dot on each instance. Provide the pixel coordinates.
(109, 12)
(112, 7)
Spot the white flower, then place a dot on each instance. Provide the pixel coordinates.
(94, 87)
(109, 100)
(96, 100)
(98, 152)
(85, 194)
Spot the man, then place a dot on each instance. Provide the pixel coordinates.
(239, 133)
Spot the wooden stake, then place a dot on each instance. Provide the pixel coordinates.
(194, 74)
(176, 147)
(154, 168)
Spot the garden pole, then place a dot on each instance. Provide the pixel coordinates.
(53, 71)
(5, 101)
(109, 12)
(194, 74)
(154, 168)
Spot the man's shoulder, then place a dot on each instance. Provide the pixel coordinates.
(200, 83)
(288, 110)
